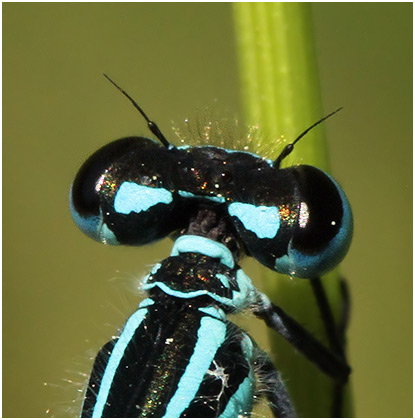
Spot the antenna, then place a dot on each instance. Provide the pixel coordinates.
(151, 124)
(290, 147)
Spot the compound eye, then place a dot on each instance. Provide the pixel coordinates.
(296, 221)
(323, 230)
(85, 197)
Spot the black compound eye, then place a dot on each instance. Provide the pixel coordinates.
(324, 226)
(296, 221)
(86, 195)
(320, 211)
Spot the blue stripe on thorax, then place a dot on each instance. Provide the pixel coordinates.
(117, 353)
(210, 336)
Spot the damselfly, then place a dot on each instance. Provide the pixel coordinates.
(178, 355)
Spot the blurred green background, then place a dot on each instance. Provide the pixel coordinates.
(64, 295)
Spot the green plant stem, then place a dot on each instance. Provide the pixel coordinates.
(281, 94)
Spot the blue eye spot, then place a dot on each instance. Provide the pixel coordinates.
(132, 197)
(262, 220)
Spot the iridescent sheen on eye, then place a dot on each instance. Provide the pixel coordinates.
(304, 215)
